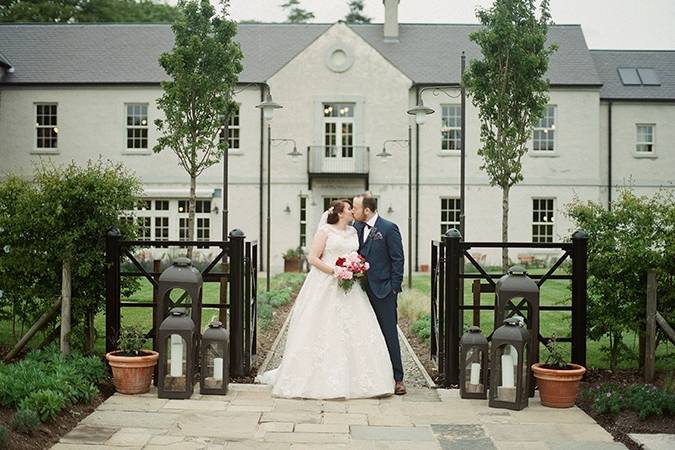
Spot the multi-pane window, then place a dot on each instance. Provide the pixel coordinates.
(233, 130)
(203, 228)
(338, 121)
(543, 135)
(161, 205)
(542, 220)
(183, 229)
(645, 138)
(137, 125)
(303, 221)
(161, 228)
(450, 208)
(46, 126)
(144, 228)
(451, 127)
(201, 206)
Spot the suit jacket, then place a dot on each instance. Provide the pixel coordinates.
(384, 252)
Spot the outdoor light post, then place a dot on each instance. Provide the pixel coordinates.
(420, 112)
(384, 154)
(268, 107)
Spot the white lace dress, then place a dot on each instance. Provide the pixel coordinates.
(334, 347)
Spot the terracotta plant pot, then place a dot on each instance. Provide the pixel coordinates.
(292, 265)
(558, 388)
(132, 374)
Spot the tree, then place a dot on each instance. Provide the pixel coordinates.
(636, 235)
(295, 13)
(65, 11)
(355, 14)
(204, 67)
(508, 87)
(54, 230)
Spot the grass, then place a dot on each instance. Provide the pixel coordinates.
(415, 303)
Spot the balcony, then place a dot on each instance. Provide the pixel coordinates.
(338, 162)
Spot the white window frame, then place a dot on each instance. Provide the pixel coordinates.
(55, 127)
(449, 129)
(202, 211)
(456, 210)
(644, 154)
(302, 208)
(548, 221)
(344, 130)
(231, 127)
(546, 130)
(127, 127)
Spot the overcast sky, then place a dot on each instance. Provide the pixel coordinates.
(617, 24)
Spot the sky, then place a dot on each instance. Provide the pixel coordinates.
(607, 24)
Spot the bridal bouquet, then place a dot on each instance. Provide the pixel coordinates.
(350, 268)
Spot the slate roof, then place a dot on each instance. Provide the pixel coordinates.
(128, 53)
(662, 61)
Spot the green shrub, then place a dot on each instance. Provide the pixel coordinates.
(4, 437)
(644, 399)
(25, 421)
(422, 327)
(131, 340)
(46, 403)
(265, 315)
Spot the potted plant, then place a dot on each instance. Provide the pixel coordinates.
(293, 260)
(132, 365)
(557, 379)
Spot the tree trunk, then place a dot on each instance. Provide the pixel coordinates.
(505, 227)
(89, 332)
(41, 323)
(191, 213)
(66, 278)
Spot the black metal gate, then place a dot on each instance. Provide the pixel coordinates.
(240, 273)
(447, 302)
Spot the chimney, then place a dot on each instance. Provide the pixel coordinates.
(390, 20)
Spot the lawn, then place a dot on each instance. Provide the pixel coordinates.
(415, 302)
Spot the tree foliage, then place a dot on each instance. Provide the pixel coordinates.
(508, 87)
(295, 13)
(204, 67)
(68, 11)
(636, 235)
(355, 14)
(63, 213)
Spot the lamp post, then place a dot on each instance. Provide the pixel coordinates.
(420, 111)
(268, 107)
(384, 154)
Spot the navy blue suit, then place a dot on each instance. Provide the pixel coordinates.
(384, 252)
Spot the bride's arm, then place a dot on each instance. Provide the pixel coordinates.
(316, 250)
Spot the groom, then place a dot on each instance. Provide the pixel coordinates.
(380, 243)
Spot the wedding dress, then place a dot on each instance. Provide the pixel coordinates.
(334, 347)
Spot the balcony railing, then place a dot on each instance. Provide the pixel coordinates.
(338, 160)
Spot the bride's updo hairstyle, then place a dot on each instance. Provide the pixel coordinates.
(336, 207)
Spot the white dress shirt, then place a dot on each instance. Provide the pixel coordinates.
(369, 224)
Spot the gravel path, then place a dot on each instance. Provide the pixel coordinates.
(415, 375)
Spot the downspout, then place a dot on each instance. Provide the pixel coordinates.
(260, 184)
(417, 187)
(609, 156)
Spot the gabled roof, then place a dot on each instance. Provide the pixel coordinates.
(128, 53)
(609, 61)
(430, 53)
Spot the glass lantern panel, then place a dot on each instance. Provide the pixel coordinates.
(213, 375)
(507, 361)
(525, 368)
(473, 379)
(180, 298)
(175, 364)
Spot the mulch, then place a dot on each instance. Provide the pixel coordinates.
(420, 348)
(49, 433)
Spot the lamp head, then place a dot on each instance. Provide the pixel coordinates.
(420, 112)
(268, 107)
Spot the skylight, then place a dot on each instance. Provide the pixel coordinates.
(648, 77)
(629, 76)
(638, 76)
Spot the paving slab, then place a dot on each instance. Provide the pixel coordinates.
(119, 402)
(86, 434)
(120, 419)
(132, 437)
(199, 405)
(350, 419)
(586, 445)
(317, 438)
(462, 437)
(374, 433)
(221, 424)
(658, 441)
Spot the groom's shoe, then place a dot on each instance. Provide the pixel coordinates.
(399, 389)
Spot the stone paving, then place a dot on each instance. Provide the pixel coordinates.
(250, 418)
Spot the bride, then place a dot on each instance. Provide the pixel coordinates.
(334, 347)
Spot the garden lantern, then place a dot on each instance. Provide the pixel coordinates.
(215, 358)
(509, 366)
(176, 355)
(473, 354)
(516, 294)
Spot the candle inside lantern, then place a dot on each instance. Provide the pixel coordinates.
(475, 373)
(218, 369)
(507, 371)
(176, 356)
